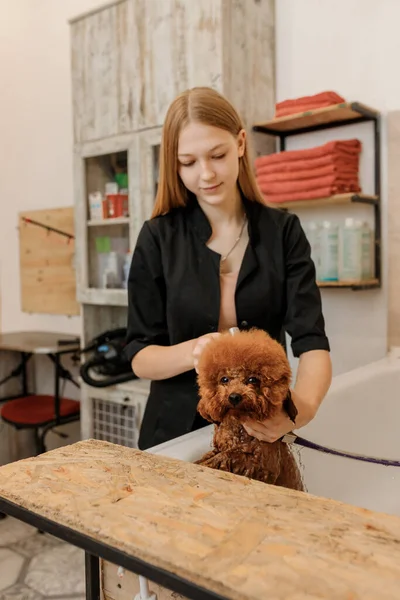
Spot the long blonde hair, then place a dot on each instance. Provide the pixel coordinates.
(207, 106)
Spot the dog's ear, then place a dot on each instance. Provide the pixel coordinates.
(203, 408)
(290, 408)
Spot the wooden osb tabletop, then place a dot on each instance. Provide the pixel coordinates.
(239, 538)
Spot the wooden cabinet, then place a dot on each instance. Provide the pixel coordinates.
(140, 151)
(97, 238)
(135, 56)
(129, 59)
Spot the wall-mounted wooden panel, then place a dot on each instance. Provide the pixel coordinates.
(47, 271)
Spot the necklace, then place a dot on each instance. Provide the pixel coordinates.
(223, 258)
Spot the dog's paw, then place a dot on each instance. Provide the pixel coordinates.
(204, 459)
(216, 460)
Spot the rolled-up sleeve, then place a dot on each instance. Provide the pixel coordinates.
(304, 320)
(146, 296)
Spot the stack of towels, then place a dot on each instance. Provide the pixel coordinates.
(319, 172)
(305, 103)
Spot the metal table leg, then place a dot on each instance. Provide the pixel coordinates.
(92, 576)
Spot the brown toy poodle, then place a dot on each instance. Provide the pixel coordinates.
(247, 374)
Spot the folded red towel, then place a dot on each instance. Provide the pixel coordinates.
(340, 148)
(330, 160)
(304, 103)
(301, 108)
(313, 99)
(315, 194)
(283, 187)
(293, 174)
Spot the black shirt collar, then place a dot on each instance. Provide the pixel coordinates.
(201, 224)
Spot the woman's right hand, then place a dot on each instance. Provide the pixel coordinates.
(199, 346)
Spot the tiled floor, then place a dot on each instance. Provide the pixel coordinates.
(35, 566)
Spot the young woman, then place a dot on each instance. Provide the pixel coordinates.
(213, 256)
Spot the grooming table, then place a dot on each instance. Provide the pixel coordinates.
(203, 533)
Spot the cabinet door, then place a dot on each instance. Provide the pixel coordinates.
(95, 74)
(144, 166)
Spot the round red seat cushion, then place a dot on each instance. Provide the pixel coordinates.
(37, 410)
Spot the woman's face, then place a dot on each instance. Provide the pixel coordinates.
(208, 162)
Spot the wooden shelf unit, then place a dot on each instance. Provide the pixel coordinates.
(329, 201)
(104, 297)
(337, 115)
(108, 222)
(367, 284)
(320, 118)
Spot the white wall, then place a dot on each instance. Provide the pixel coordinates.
(35, 135)
(320, 45)
(351, 47)
(35, 153)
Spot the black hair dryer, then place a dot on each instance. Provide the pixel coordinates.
(107, 364)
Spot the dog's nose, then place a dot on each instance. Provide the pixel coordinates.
(235, 398)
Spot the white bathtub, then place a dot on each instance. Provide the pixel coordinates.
(360, 414)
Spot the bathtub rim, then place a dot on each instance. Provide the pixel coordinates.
(388, 364)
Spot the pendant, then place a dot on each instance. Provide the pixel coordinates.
(222, 266)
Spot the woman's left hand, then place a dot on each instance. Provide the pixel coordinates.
(273, 429)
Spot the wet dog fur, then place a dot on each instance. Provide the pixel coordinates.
(247, 375)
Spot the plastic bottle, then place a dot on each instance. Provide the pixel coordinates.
(367, 264)
(350, 267)
(126, 268)
(313, 233)
(112, 275)
(329, 237)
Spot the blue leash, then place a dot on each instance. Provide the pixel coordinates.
(291, 438)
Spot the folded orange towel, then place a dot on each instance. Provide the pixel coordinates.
(314, 98)
(330, 160)
(304, 103)
(334, 160)
(340, 148)
(317, 193)
(283, 187)
(301, 108)
(292, 174)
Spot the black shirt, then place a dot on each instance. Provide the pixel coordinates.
(174, 296)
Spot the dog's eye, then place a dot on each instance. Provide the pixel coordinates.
(253, 380)
(224, 380)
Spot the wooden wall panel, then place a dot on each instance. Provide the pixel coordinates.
(48, 283)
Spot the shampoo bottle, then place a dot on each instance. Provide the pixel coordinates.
(329, 237)
(350, 267)
(313, 233)
(367, 253)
